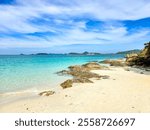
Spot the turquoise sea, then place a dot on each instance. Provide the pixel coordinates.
(22, 72)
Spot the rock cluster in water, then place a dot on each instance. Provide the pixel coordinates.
(81, 74)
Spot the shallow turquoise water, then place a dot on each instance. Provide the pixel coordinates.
(21, 72)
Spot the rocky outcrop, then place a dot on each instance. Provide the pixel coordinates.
(87, 67)
(46, 93)
(67, 84)
(84, 74)
(81, 74)
(114, 62)
(81, 80)
(141, 59)
(93, 66)
(77, 68)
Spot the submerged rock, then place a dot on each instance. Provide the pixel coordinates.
(67, 84)
(46, 93)
(63, 72)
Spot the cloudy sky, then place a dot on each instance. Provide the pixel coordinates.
(59, 26)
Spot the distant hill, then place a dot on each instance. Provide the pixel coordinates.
(42, 54)
(45, 54)
(84, 53)
(129, 52)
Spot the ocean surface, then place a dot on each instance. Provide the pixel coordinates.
(25, 72)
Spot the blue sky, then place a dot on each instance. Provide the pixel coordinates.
(59, 26)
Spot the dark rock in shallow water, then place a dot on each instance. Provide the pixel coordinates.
(46, 93)
(63, 72)
(67, 84)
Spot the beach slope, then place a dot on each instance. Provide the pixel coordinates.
(124, 91)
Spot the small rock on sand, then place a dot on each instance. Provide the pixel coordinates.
(67, 84)
(46, 93)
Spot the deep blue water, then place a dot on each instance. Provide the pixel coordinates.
(21, 72)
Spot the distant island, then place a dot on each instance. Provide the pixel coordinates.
(41, 54)
(71, 53)
(84, 53)
(129, 51)
(137, 51)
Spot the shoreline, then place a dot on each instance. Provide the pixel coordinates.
(10, 97)
(124, 91)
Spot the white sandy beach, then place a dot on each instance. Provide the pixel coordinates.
(124, 91)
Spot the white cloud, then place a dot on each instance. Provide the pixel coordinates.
(17, 18)
(79, 36)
